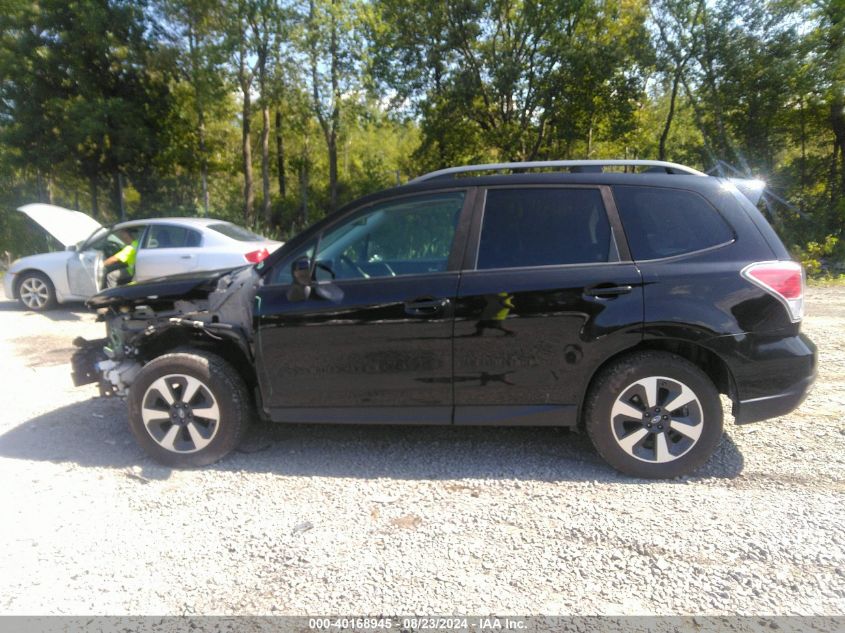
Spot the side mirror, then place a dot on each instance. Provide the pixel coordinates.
(300, 271)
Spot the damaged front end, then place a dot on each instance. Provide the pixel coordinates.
(147, 320)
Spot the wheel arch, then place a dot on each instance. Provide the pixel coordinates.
(708, 361)
(231, 348)
(21, 275)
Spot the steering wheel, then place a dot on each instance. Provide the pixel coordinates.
(348, 262)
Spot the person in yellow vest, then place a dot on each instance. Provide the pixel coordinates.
(120, 267)
(494, 314)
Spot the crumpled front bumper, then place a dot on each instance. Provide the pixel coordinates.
(84, 361)
(9, 285)
(90, 363)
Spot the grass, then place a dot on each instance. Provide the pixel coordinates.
(826, 282)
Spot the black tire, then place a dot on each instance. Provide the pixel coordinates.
(227, 391)
(38, 302)
(616, 381)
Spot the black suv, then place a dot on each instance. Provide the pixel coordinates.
(623, 302)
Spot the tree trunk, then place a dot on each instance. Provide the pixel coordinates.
(335, 122)
(39, 186)
(249, 196)
(832, 177)
(724, 144)
(332, 146)
(265, 161)
(303, 191)
(440, 135)
(203, 162)
(118, 196)
(803, 153)
(330, 124)
(265, 133)
(280, 153)
(95, 194)
(699, 120)
(664, 136)
(192, 50)
(837, 123)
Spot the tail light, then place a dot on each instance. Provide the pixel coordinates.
(253, 257)
(784, 280)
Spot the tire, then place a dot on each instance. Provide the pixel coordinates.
(197, 432)
(36, 292)
(626, 427)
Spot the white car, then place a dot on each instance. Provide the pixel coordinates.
(166, 246)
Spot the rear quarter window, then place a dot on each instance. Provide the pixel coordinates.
(667, 222)
(235, 232)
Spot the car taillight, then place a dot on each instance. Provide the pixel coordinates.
(253, 257)
(785, 280)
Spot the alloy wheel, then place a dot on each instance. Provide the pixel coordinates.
(180, 413)
(657, 419)
(34, 293)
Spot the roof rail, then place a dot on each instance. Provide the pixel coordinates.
(670, 168)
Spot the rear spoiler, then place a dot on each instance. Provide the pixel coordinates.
(751, 188)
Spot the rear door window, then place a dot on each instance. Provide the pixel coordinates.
(666, 222)
(543, 227)
(169, 236)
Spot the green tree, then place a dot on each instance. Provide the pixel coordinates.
(192, 28)
(330, 46)
(531, 78)
(82, 91)
(677, 25)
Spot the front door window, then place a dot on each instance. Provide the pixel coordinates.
(412, 236)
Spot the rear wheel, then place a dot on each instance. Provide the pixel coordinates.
(36, 291)
(188, 409)
(654, 414)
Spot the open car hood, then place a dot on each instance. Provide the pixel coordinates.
(184, 286)
(68, 227)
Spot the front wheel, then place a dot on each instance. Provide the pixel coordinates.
(188, 409)
(654, 414)
(36, 291)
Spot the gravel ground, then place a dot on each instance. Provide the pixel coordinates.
(313, 519)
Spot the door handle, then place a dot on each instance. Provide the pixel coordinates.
(425, 307)
(186, 257)
(606, 291)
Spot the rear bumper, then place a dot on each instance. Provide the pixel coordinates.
(771, 374)
(757, 409)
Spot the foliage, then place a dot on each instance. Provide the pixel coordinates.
(816, 257)
(154, 107)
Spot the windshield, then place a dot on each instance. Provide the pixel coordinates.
(98, 234)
